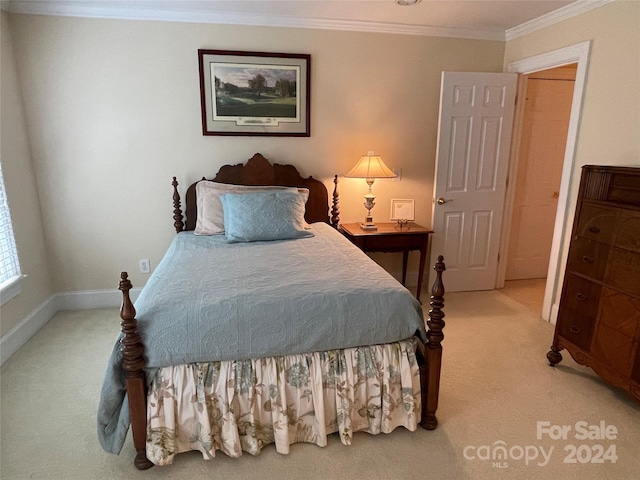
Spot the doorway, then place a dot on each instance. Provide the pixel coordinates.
(546, 111)
(577, 54)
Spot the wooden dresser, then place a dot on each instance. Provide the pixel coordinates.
(599, 315)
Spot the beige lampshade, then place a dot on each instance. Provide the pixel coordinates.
(370, 166)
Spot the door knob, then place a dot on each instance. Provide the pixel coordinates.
(442, 201)
(555, 195)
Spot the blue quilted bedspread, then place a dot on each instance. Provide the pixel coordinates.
(211, 300)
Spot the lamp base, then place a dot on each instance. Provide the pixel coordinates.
(368, 223)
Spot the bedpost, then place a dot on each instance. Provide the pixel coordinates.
(133, 363)
(177, 211)
(335, 209)
(433, 350)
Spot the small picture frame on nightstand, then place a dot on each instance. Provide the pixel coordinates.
(402, 209)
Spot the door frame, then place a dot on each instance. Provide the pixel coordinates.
(579, 54)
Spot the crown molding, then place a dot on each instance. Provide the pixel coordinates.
(120, 11)
(98, 9)
(563, 13)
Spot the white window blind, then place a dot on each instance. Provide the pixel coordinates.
(9, 265)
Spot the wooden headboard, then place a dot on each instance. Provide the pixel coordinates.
(259, 171)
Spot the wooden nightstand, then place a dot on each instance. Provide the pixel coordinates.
(391, 238)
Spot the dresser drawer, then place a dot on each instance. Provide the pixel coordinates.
(388, 243)
(578, 310)
(597, 223)
(576, 326)
(581, 295)
(588, 257)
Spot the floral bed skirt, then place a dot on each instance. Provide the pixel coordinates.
(237, 406)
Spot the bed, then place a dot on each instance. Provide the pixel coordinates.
(258, 327)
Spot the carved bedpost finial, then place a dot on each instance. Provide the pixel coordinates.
(127, 311)
(335, 209)
(177, 211)
(436, 315)
(132, 349)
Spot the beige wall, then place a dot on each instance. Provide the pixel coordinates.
(113, 109)
(22, 194)
(609, 130)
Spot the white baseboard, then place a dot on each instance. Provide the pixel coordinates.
(88, 299)
(15, 338)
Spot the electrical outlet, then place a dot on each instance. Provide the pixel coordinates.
(145, 266)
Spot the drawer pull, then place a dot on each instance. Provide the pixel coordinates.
(574, 329)
(581, 296)
(594, 229)
(587, 259)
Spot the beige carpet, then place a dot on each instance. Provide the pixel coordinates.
(496, 385)
(530, 293)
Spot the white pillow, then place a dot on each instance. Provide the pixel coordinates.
(210, 215)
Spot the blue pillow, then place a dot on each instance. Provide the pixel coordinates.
(263, 216)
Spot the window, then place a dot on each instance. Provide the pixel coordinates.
(10, 275)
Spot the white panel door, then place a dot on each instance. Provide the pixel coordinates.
(474, 136)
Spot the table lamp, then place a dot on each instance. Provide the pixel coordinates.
(370, 167)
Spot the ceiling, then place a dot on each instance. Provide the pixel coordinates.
(481, 19)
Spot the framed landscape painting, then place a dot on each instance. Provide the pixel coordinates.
(255, 93)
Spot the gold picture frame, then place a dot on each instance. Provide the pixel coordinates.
(403, 209)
